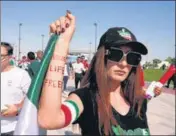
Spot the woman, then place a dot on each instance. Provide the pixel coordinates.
(110, 100)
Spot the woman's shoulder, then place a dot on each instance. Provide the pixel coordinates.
(85, 94)
(81, 92)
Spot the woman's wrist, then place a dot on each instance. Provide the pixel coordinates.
(61, 48)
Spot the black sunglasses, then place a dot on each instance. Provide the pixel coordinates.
(3, 57)
(116, 54)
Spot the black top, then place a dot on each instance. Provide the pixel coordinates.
(129, 124)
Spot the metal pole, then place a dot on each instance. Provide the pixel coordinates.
(175, 57)
(14, 50)
(90, 51)
(16, 53)
(42, 41)
(19, 53)
(90, 46)
(147, 56)
(95, 24)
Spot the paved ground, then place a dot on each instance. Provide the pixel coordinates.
(161, 114)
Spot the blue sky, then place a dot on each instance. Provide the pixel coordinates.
(153, 23)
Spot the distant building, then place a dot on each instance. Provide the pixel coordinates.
(143, 62)
(166, 63)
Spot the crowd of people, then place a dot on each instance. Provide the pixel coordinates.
(31, 63)
(108, 97)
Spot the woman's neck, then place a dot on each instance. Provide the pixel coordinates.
(115, 87)
(116, 94)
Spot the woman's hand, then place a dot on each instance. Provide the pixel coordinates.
(64, 26)
(157, 91)
(11, 111)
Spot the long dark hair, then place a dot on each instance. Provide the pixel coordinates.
(96, 78)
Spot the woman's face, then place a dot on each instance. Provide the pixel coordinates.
(4, 58)
(118, 71)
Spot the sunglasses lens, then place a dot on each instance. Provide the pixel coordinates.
(133, 58)
(115, 55)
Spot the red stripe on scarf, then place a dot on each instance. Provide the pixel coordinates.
(67, 113)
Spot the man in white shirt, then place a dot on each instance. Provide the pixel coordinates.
(39, 55)
(15, 83)
(66, 74)
(79, 69)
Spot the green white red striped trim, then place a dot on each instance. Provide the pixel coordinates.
(74, 110)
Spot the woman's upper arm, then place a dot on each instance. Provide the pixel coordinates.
(75, 98)
(71, 109)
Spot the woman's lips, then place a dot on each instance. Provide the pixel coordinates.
(119, 72)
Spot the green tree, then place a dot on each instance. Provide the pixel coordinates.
(156, 62)
(170, 60)
(148, 65)
(173, 60)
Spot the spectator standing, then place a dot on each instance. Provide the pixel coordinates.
(14, 87)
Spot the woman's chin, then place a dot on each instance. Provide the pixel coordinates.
(118, 78)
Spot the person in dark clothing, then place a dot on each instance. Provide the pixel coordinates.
(34, 64)
(172, 78)
(111, 100)
(31, 56)
(163, 67)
